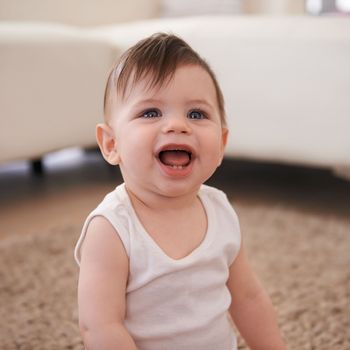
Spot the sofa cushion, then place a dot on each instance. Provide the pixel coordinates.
(286, 80)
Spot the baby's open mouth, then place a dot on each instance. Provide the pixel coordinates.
(175, 158)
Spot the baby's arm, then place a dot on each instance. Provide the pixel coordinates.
(251, 307)
(101, 291)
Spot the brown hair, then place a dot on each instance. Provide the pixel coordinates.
(157, 56)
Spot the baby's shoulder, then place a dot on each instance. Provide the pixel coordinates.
(218, 200)
(111, 215)
(114, 203)
(213, 194)
(115, 208)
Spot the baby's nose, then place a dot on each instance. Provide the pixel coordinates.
(177, 124)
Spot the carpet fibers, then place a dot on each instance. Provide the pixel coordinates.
(302, 259)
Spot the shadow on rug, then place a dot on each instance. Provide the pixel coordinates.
(303, 260)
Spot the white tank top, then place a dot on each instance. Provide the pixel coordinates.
(176, 304)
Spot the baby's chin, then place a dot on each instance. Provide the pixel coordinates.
(178, 189)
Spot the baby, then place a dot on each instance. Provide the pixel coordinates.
(162, 265)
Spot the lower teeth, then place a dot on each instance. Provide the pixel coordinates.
(177, 166)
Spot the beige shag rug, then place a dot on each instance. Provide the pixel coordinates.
(303, 260)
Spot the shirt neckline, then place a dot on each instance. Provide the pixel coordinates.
(196, 251)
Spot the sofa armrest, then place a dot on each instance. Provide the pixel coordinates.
(78, 12)
(51, 88)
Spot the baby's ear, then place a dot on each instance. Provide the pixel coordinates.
(224, 143)
(107, 143)
(224, 137)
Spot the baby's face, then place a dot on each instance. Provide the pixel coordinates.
(169, 139)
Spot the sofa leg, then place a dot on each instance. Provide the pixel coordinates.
(37, 166)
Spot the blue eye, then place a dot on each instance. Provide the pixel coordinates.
(196, 114)
(151, 113)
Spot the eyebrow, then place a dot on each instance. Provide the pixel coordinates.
(201, 102)
(147, 101)
(158, 101)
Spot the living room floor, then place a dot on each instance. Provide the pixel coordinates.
(74, 182)
(287, 246)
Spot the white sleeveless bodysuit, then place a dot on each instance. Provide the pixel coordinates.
(176, 304)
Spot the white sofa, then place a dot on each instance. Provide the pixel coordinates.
(286, 82)
(52, 72)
